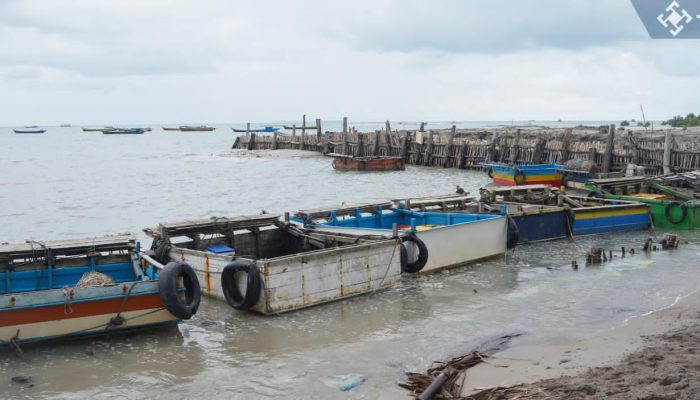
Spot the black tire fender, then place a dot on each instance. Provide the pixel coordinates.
(519, 176)
(230, 287)
(513, 233)
(595, 194)
(170, 295)
(422, 259)
(669, 207)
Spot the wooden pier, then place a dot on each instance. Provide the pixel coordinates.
(660, 151)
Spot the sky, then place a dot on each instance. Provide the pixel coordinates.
(219, 61)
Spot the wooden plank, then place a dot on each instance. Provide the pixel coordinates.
(668, 144)
(325, 212)
(68, 247)
(213, 225)
(609, 148)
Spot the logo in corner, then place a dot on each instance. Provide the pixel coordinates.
(675, 20)
(679, 19)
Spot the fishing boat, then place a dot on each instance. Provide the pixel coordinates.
(69, 288)
(65, 125)
(673, 200)
(29, 131)
(513, 175)
(268, 266)
(200, 128)
(96, 129)
(170, 129)
(343, 162)
(124, 131)
(431, 240)
(267, 129)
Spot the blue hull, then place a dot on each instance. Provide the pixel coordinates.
(538, 227)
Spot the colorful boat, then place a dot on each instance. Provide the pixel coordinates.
(670, 207)
(431, 240)
(69, 288)
(124, 131)
(30, 131)
(378, 163)
(262, 264)
(512, 175)
(267, 129)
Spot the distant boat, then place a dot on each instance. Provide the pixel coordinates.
(29, 130)
(171, 129)
(124, 131)
(97, 129)
(200, 128)
(31, 126)
(267, 129)
(65, 125)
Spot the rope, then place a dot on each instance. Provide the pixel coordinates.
(67, 308)
(388, 267)
(118, 320)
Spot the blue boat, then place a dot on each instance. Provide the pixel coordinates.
(513, 175)
(431, 240)
(267, 129)
(63, 289)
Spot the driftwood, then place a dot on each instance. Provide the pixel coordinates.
(447, 373)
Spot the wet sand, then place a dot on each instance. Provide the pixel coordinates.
(651, 357)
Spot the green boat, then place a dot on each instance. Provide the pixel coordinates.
(670, 207)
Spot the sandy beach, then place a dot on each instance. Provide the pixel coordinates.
(650, 357)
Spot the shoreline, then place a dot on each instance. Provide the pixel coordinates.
(644, 358)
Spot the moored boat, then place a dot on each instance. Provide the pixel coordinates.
(29, 131)
(513, 175)
(124, 131)
(96, 129)
(267, 129)
(69, 288)
(200, 128)
(432, 240)
(378, 163)
(262, 264)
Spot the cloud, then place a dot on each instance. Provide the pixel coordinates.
(489, 26)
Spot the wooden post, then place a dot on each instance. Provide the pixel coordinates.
(274, 141)
(405, 143)
(538, 154)
(448, 148)
(375, 149)
(609, 147)
(294, 135)
(422, 127)
(251, 142)
(634, 159)
(461, 164)
(359, 151)
(514, 148)
(491, 152)
(303, 131)
(565, 143)
(428, 149)
(346, 148)
(668, 144)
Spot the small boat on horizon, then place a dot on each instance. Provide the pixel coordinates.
(96, 129)
(191, 128)
(124, 131)
(29, 131)
(65, 125)
(267, 129)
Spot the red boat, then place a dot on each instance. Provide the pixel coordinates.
(375, 163)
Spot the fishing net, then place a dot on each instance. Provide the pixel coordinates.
(94, 279)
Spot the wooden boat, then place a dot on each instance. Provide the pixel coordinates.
(378, 163)
(673, 199)
(262, 264)
(512, 175)
(124, 131)
(69, 288)
(200, 128)
(431, 240)
(96, 129)
(65, 125)
(267, 129)
(30, 131)
(170, 129)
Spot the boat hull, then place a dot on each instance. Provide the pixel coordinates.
(610, 218)
(53, 314)
(369, 164)
(303, 280)
(667, 214)
(511, 175)
(537, 227)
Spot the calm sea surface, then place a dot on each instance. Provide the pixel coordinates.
(67, 183)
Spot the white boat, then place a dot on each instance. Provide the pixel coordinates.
(262, 264)
(432, 240)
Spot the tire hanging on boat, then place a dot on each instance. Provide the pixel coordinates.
(169, 293)
(422, 259)
(670, 206)
(513, 233)
(230, 287)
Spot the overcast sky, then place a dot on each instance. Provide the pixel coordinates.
(209, 61)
